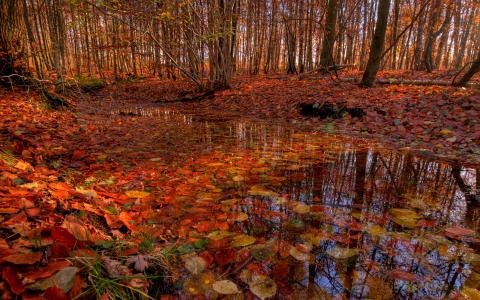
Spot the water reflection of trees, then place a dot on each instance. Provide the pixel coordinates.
(374, 181)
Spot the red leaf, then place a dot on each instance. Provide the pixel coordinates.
(426, 223)
(207, 256)
(280, 270)
(55, 293)
(225, 256)
(458, 231)
(11, 276)
(62, 236)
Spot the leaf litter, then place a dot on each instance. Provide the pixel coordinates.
(232, 216)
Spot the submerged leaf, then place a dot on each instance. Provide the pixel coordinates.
(263, 287)
(342, 253)
(225, 287)
(195, 264)
(219, 235)
(299, 255)
(243, 240)
(301, 208)
(260, 190)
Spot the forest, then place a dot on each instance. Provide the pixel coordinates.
(239, 149)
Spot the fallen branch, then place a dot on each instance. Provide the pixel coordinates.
(410, 82)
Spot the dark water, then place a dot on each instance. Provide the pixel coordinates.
(304, 216)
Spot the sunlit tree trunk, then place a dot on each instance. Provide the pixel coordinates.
(377, 44)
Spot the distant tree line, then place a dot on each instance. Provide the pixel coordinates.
(208, 41)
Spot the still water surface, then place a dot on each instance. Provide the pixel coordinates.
(291, 215)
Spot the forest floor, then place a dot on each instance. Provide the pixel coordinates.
(54, 204)
(442, 120)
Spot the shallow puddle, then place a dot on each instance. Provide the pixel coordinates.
(262, 210)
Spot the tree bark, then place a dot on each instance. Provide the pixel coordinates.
(326, 57)
(377, 44)
(475, 68)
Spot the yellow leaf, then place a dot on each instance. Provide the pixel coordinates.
(137, 194)
(342, 253)
(219, 235)
(243, 240)
(301, 208)
(470, 294)
(445, 132)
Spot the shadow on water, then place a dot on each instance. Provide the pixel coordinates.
(329, 215)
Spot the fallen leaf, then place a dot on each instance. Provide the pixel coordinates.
(225, 287)
(263, 287)
(55, 293)
(136, 194)
(23, 258)
(342, 253)
(299, 255)
(242, 240)
(14, 282)
(63, 279)
(403, 275)
(195, 264)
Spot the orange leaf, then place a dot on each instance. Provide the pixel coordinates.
(23, 258)
(47, 271)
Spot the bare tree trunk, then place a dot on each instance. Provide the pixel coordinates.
(463, 43)
(377, 44)
(326, 57)
(432, 34)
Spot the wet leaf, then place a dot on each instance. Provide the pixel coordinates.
(219, 235)
(259, 190)
(195, 264)
(225, 287)
(459, 231)
(342, 253)
(193, 287)
(263, 287)
(225, 256)
(299, 255)
(301, 208)
(242, 240)
(403, 275)
(470, 293)
(376, 230)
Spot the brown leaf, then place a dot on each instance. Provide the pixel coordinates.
(24, 258)
(46, 271)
